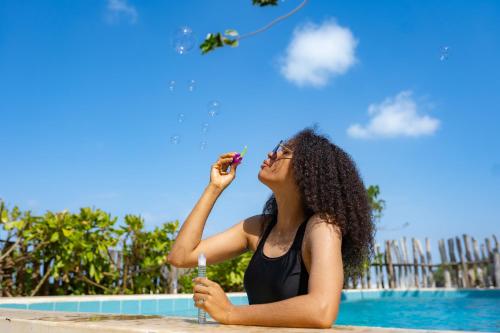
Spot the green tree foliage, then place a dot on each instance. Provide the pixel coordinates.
(377, 205)
(71, 253)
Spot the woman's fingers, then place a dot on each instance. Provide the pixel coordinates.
(205, 281)
(231, 154)
(201, 289)
(223, 163)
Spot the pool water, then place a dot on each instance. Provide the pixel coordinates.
(470, 310)
(445, 313)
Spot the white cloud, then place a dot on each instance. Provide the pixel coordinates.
(318, 53)
(120, 8)
(395, 116)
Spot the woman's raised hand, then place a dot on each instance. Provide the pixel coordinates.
(218, 174)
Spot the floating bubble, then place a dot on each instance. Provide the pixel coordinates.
(204, 127)
(191, 85)
(203, 145)
(444, 53)
(213, 108)
(180, 117)
(175, 139)
(171, 86)
(183, 40)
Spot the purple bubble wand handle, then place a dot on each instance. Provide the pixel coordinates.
(238, 157)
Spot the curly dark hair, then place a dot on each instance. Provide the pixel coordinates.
(330, 186)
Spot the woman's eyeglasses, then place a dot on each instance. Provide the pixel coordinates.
(280, 147)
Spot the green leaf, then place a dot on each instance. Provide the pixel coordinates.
(212, 41)
(54, 237)
(5, 216)
(14, 224)
(230, 42)
(67, 232)
(263, 3)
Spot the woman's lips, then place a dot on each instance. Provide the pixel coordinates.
(264, 164)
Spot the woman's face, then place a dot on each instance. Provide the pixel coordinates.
(277, 170)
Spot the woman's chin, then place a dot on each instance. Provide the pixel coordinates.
(261, 176)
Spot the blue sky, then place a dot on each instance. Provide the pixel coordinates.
(87, 114)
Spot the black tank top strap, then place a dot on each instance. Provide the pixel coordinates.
(297, 241)
(266, 233)
(299, 236)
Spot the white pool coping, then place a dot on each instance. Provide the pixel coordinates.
(28, 321)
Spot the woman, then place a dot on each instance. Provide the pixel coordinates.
(316, 223)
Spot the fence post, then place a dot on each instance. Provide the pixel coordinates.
(422, 264)
(465, 277)
(480, 264)
(378, 268)
(174, 279)
(368, 276)
(389, 267)
(430, 281)
(444, 264)
(496, 268)
(408, 280)
(398, 269)
(485, 262)
(453, 261)
(415, 262)
(468, 256)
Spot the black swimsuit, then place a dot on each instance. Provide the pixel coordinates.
(268, 279)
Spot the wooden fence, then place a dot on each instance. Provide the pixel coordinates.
(463, 264)
(397, 264)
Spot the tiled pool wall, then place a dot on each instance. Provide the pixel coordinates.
(357, 295)
(176, 304)
(173, 304)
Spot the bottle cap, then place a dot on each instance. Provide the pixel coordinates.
(202, 261)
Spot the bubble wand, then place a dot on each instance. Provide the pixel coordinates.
(202, 272)
(238, 157)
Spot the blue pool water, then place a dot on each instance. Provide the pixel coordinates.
(471, 310)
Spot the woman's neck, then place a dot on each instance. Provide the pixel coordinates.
(290, 211)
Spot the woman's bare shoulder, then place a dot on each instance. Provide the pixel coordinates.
(253, 227)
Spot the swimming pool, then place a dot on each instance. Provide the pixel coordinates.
(472, 310)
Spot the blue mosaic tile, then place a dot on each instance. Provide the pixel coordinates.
(90, 307)
(67, 306)
(130, 307)
(42, 306)
(111, 307)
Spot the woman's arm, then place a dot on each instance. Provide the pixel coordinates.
(317, 309)
(189, 235)
(191, 231)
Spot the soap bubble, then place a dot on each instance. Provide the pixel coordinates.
(213, 108)
(204, 127)
(203, 145)
(444, 53)
(183, 40)
(175, 139)
(191, 85)
(180, 117)
(171, 86)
